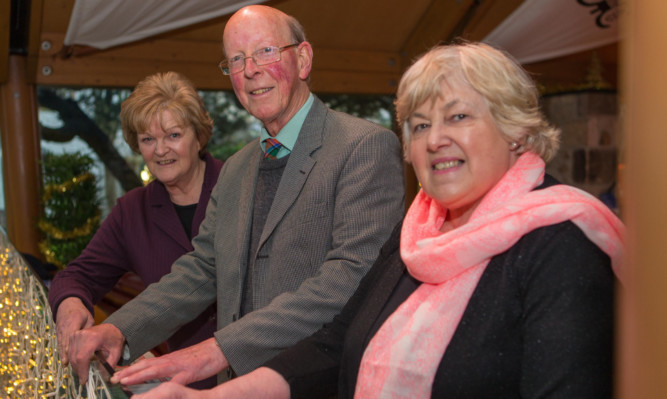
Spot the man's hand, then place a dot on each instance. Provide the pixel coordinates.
(106, 338)
(183, 366)
(72, 316)
(261, 383)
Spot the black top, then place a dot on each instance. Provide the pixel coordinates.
(186, 214)
(539, 324)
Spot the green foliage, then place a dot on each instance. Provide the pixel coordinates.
(231, 123)
(71, 206)
(224, 151)
(375, 108)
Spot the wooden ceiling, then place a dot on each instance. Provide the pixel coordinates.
(361, 46)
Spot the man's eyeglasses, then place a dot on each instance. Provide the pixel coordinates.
(264, 56)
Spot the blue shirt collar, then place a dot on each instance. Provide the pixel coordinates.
(290, 132)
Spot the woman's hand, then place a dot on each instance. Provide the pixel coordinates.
(106, 338)
(72, 316)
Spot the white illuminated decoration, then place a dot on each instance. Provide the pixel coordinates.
(30, 365)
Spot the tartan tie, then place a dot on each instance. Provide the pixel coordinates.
(271, 148)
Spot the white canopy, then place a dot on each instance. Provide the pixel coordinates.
(106, 23)
(539, 30)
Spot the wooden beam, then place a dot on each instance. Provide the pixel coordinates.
(355, 72)
(443, 21)
(356, 60)
(106, 72)
(338, 82)
(488, 16)
(334, 70)
(643, 187)
(34, 42)
(20, 154)
(439, 20)
(167, 50)
(124, 66)
(5, 20)
(96, 72)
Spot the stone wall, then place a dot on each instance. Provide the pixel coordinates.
(588, 155)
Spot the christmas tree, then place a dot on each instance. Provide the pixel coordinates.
(71, 206)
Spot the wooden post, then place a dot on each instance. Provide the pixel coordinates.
(642, 362)
(20, 157)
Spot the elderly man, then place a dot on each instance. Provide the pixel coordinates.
(296, 219)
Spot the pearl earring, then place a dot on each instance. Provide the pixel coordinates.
(514, 145)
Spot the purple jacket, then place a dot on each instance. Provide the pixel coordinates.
(144, 235)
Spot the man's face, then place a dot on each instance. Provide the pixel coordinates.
(273, 93)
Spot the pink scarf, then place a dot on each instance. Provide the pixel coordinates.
(402, 358)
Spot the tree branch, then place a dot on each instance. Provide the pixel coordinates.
(77, 123)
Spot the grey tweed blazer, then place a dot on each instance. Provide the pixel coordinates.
(340, 195)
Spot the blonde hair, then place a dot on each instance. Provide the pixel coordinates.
(159, 92)
(508, 90)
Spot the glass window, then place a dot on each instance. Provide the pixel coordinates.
(97, 132)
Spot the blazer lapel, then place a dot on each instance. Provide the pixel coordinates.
(248, 184)
(298, 167)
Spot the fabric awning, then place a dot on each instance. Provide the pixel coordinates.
(540, 30)
(103, 23)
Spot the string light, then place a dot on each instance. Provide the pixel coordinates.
(30, 364)
(146, 176)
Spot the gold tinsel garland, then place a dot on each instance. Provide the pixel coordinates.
(63, 187)
(48, 247)
(81, 231)
(49, 254)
